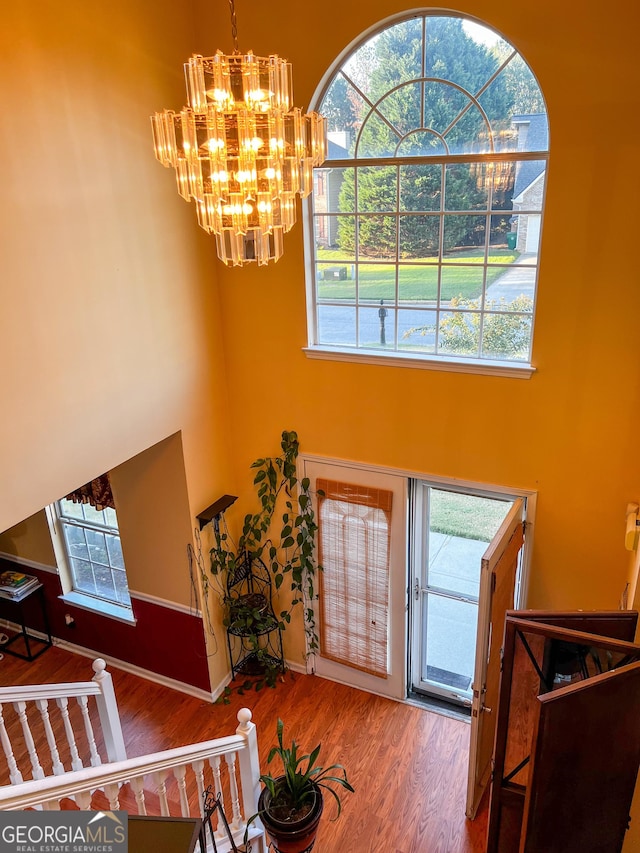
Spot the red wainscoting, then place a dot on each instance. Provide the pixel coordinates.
(163, 640)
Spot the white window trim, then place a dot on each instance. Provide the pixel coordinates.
(72, 596)
(512, 370)
(99, 605)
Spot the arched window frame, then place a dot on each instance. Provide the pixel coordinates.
(475, 314)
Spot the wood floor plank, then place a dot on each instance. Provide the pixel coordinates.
(408, 765)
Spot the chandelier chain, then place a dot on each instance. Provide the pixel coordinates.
(234, 26)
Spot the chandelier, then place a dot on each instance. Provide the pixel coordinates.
(241, 151)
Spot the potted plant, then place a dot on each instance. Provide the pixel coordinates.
(254, 634)
(280, 539)
(290, 805)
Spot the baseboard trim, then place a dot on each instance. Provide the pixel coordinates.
(131, 668)
(147, 674)
(217, 692)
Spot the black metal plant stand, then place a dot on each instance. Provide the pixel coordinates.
(253, 633)
(213, 803)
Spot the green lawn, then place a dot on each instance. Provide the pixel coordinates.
(462, 276)
(466, 516)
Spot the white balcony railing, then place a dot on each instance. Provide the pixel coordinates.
(166, 783)
(52, 732)
(63, 717)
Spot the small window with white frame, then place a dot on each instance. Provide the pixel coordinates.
(94, 552)
(90, 556)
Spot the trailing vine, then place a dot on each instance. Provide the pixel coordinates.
(281, 534)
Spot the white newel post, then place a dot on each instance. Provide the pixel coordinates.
(249, 764)
(108, 711)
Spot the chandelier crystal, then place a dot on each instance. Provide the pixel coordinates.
(241, 151)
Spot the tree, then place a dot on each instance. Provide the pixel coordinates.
(336, 106)
(520, 83)
(505, 335)
(405, 123)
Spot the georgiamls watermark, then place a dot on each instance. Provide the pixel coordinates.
(64, 832)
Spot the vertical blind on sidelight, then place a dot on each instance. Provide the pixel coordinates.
(354, 537)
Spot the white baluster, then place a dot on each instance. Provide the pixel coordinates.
(160, 780)
(137, 783)
(83, 799)
(217, 782)
(15, 775)
(76, 761)
(198, 769)
(21, 711)
(43, 706)
(112, 792)
(236, 821)
(109, 714)
(83, 701)
(180, 773)
(217, 786)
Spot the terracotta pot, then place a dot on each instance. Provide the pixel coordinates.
(291, 836)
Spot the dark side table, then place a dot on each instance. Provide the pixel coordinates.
(16, 603)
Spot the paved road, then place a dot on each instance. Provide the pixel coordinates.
(337, 322)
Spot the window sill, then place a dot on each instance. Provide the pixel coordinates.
(512, 370)
(120, 612)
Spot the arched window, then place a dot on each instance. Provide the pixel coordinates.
(425, 219)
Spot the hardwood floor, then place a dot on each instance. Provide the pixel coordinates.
(408, 765)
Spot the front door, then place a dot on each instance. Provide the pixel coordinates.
(451, 529)
(499, 571)
(361, 606)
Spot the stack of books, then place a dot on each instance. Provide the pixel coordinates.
(15, 584)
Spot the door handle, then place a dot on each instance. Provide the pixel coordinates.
(416, 589)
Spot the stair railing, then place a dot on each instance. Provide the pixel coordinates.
(48, 712)
(168, 783)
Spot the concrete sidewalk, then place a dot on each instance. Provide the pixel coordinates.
(451, 624)
(519, 279)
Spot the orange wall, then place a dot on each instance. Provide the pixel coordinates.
(570, 431)
(153, 518)
(109, 319)
(30, 539)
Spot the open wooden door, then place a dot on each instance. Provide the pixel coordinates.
(498, 573)
(567, 746)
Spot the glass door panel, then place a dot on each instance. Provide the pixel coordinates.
(451, 532)
(449, 642)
